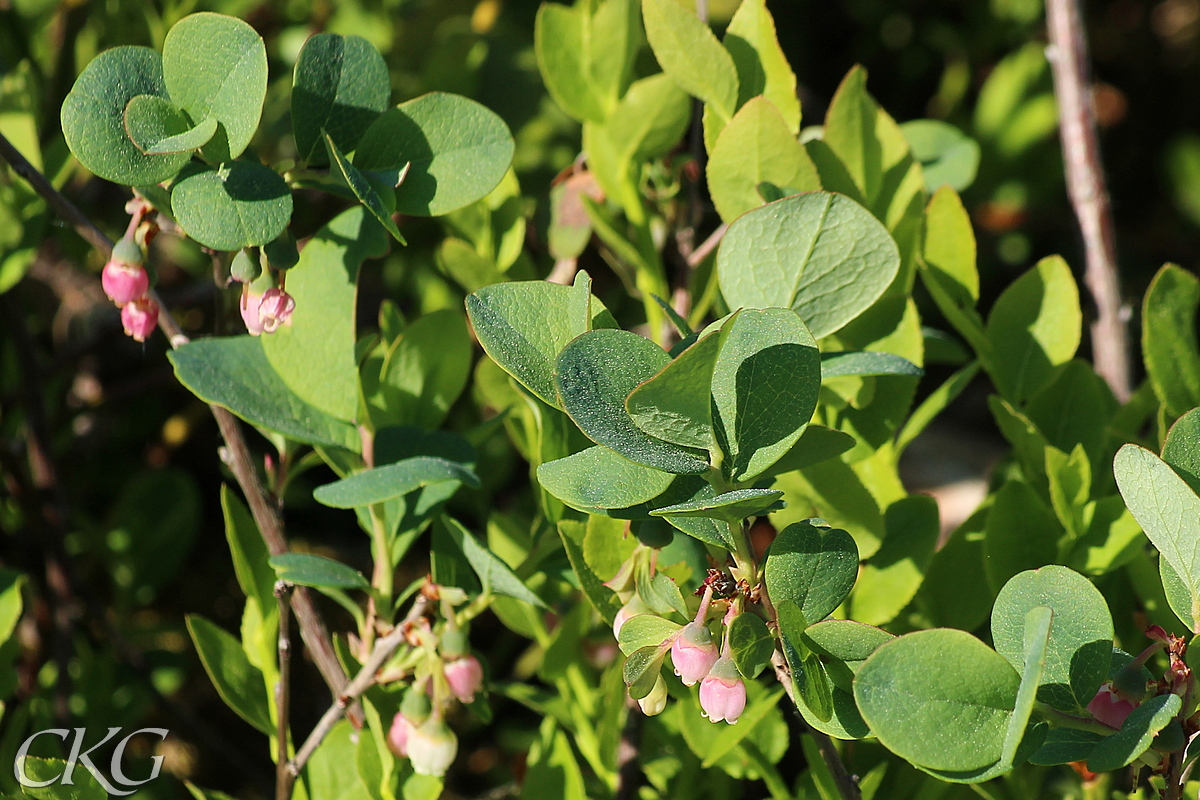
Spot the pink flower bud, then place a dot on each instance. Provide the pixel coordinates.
(249, 308)
(432, 747)
(275, 309)
(398, 735)
(655, 703)
(465, 676)
(1108, 708)
(722, 693)
(634, 607)
(123, 282)
(693, 652)
(139, 318)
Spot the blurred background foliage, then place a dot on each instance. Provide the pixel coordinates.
(137, 484)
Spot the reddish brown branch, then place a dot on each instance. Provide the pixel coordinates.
(1068, 57)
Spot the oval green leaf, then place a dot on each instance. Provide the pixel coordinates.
(340, 85)
(645, 630)
(820, 254)
(241, 204)
(688, 51)
(595, 374)
(307, 569)
(866, 363)
(813, 567)
(151, 120)
(216, 66)
(599, 478)
(1080, 645)
(93, 117)
(750, 644)
(939, 698)
(1136, 734)
(764, 389)
(458, 149)
(384, 483)
(733, 506)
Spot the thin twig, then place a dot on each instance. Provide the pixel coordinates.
(707, 246)
(1068, 57)
(847, 786)
(284, 779)
(364, 680)
(266, 515)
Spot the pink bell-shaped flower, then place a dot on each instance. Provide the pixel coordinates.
(398, 734)
(432, 747)
(1109, 708)
(139, 318)
(693, 652)
(722, 693)
(249, 308)
(124, 277)
(275, 309)
(465, 676)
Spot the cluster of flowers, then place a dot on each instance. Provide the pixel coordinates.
(126, 282)
(446, 672)
(694, 651)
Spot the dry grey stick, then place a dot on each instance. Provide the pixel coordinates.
(1068, 57)
(266, 515)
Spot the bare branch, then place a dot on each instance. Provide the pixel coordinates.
(1085, 183)
(284, 779)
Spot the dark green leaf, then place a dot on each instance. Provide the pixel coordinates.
(216, 66)
(240, 204)
(813, 567)
(238, 682)
(599, 478)
(93, 117)
(384, 483)
(1034, 655)
(844, 639)
(750, 644)
(377, 197)
(1169, 338)
(494, 574)
(234, 372)
(603, 599)
(1182, 448)
(1136, 734)
(862, 364)
(458, 150)
(306, 569)
(674, 405)
(1022, 533)
(340, 85)
(248, 550)
(524, 325)
(815, 445)
(1080, 644)
(733, 506)
(764, 389)
(1064, 745)
(594, 374)
(157, 127)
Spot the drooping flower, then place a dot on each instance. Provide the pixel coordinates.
(1109, 708)
(693, 653)
(655, 703)
(465, 676)
(275, 309)
(139, 318)
(249, 308)
(432, 747)
(722, 693)
(398, 734)
(124, 277)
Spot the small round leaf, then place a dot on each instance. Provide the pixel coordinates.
(93, 117)
(242, 204)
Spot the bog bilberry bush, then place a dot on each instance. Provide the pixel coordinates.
(773, 378)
